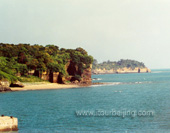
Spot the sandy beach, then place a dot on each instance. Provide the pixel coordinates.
(43, 86)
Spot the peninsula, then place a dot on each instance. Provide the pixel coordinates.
(37, 63)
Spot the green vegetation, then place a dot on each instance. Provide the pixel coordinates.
(116, 65)
(7, 76)
(78, 77)
(23, 58)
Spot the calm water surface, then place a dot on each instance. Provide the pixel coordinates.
(55, 110)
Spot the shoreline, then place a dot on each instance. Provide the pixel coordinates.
(124, 70)
(120, 73)
(43, 86)
(51, 86)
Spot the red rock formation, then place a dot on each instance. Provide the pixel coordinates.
(74, 73)
(86, 76)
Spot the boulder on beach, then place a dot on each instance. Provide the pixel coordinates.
(4, 86)
(17, 84)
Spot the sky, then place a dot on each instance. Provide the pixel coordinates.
(106, 29)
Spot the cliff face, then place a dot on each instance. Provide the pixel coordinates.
(77, 73)
(74, 73)
(136, 70)
(122, 70)
(86, 75)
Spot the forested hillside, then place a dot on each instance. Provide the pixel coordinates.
(22, 58)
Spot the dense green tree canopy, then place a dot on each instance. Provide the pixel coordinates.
(24, 57)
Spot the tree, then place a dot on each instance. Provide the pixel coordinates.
(81, 50)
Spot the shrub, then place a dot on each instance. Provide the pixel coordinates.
(7, 76)
(77, 77)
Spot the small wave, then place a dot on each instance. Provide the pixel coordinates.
(114, 83)
(118, 91)
(121, 83)
(107, 84)
(97, 85)
(160, 71)
(139, 82)
(96, 79)
(145, 82)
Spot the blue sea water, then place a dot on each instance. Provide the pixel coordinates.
(49, 111)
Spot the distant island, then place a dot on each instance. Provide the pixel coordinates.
(122, 66)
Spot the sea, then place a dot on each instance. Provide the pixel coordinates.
(125, 103)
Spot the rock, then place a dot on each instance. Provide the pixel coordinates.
(8, 123)
(4, 86)
(149, 70)
(4, 83)
(7, 89)
(121, 70)
(17, 84)
(75, 82)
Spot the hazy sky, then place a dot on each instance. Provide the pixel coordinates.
(107, 29)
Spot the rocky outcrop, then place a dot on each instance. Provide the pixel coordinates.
(136, 70)
(54, 77)
(8, 123)
(4, 86)
(17, 84)
(79, 75)
(121, 70)
(103, 71)
(86, 76)
(74, 73)
(44, 75)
